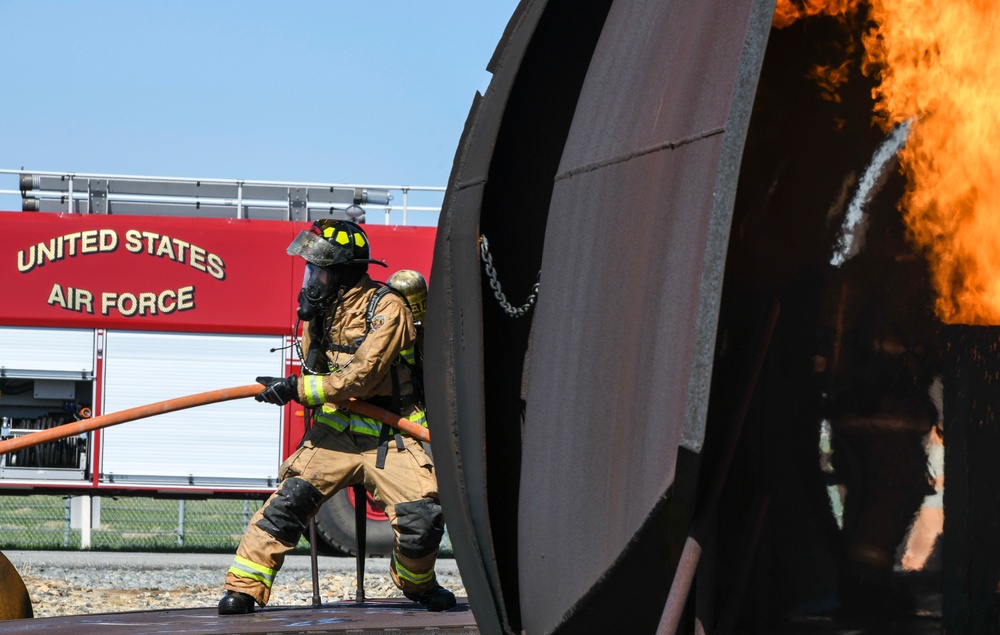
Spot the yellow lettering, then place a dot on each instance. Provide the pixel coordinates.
(181, 246)
(133, 241)
(216, 267)
(46, 252)
(166, 248)
(83, 299)
(197, 258)
(147, 303)
(150, 238)
(56, 296)
(127, 304)
(72, 299)
(165, 297)
(24, 265)
(108, 302)
(70, 240)
(89, 241)
(108, 240)
(185, 298)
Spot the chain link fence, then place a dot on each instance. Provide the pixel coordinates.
(125, 523)
(39, 522)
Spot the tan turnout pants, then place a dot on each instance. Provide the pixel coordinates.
(330, 461)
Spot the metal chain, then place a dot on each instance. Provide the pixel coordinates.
(491, 272)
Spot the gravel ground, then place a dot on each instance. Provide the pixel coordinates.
(84, 582)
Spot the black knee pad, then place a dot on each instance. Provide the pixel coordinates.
(421, 525)
(286, 516)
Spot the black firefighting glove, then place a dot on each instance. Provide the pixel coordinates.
(279, 391)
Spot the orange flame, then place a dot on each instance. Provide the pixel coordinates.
(938, 61)
(787, 12)
(830, 79)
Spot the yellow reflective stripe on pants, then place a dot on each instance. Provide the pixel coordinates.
(243, 568)
(312, 388)
(408, 355)
(409, 576)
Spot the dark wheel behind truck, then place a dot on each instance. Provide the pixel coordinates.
(335, 525)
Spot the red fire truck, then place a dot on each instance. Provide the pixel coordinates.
(123, 291)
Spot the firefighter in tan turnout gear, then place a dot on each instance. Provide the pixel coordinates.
(358, 348)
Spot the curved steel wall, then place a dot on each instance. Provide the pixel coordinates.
(602, 158)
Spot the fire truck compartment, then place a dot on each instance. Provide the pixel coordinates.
(56, 376)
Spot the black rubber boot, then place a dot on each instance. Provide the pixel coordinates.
(436, 598)
(235, 603)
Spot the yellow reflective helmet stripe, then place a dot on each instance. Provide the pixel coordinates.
(243, 568)
(410, 576)
(343, 237)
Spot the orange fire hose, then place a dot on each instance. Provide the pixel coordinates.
(402, 424)
(190, 401)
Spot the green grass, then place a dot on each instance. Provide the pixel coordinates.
(128, 524)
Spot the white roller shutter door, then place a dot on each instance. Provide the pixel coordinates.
(234, 443)
(41, 353)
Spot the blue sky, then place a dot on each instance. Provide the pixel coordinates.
(372, 92)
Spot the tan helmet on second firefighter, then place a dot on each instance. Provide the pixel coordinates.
(413, 286)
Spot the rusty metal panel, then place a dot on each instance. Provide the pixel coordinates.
(500, 187)
(607, 143)
(454, 336)
(621, 362)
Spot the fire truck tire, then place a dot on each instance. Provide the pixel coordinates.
(335, 525)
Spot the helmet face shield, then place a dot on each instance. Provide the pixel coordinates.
(319, 251)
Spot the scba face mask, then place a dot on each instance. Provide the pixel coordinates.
(320, 286)
(317, 290)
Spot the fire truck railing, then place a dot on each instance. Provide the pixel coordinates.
(226, 198)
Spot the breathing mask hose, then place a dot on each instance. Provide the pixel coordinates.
(319, 328)
(315, 344)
